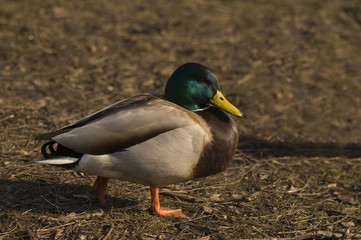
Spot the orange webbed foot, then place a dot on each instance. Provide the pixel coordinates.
(155, 206)
(170, 212)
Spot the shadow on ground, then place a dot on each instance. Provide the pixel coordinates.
(263, 148)
(41, 196)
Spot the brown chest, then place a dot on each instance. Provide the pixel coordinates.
(217, 154)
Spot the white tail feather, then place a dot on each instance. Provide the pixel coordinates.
(56, 160)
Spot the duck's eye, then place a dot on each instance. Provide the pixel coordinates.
(202, 80)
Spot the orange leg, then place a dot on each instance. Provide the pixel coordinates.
(155, 206)
(100, 187)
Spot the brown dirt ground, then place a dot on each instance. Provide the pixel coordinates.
(293, 68)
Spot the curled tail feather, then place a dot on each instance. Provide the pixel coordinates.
(58, 155)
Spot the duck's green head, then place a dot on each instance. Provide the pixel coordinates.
(193, 86)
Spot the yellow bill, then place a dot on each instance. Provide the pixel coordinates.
(220, 101)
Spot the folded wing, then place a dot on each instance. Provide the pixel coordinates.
(121, 125)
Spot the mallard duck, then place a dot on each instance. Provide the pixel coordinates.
(152, 139)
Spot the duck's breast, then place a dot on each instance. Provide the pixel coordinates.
(217, 154)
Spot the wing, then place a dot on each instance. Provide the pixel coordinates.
(122, 124)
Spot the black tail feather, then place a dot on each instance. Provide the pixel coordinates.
(52, 149)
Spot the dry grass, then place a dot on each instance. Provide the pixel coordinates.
(293, 67)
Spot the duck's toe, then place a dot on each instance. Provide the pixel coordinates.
(169, 212)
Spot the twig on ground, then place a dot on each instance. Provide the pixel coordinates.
(74, 216)
(201, 199)
(109, 232)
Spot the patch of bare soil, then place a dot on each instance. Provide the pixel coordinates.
(293, 68)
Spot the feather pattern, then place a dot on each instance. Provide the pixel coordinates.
(158, 161)
(122, 125)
